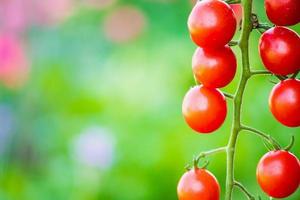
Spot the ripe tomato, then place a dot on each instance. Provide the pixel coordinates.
(211, 23)
(278, 173)
(214, 68)
(204, 109)
(284, 102)
(283, 12)
(198, 184)
(279, 49)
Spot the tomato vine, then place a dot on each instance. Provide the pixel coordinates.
(193, 114)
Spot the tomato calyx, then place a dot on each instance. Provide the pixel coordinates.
(256, 24)
(291, 144)
(272, 145)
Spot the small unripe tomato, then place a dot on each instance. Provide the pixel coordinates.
(278, 173)
(204, 109)
(198, 184)
(283, 12)
(279, 48)
(214, 68)
(212, 23)
(284, 102)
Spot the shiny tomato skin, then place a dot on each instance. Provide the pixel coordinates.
(284, 102)
(279, 49)
(198, 184)
(211, 23)
(283, 12)
(278, 173)
(214, 68)
(204, 109)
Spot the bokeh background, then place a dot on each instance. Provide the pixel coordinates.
(90, 102)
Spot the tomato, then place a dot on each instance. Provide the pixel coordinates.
(198, 184)
(278, 173)
(211, 23)
(279, 49)
(214, 68)
(204, 109)
(283, 12)
(284, 102)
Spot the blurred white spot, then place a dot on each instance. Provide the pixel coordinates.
(124, 24)
(94, 147)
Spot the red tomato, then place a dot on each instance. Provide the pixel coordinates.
(214, 68)
(204, 109)
(211, 23)
(279, 49)
(238, 11)
(278, 173)
(283, 12)
(198, 184)
(284, 102)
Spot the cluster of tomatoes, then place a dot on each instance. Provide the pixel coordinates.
(279, 49)
(278, 172)
(212, 25)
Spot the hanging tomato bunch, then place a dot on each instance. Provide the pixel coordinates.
(212, 25)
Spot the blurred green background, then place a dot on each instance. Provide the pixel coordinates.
(90, 102)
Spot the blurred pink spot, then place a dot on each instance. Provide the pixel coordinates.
(14, 15)
(99, 4)
(13, 62)
(94, 147)
(52, 12)
(124, 24)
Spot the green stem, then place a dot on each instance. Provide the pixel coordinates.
(260, 72)
(268, 138)
(243, 189)
(236, 127)
(230, 96)
(210, 152)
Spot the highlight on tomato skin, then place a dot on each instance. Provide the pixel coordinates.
(279, 49)
(278, 173)
(214, 68)
(283, 12)
(198, 184)
(212, 23)
(284, 102)
(204, 109)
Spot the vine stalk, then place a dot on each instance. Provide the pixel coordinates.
(236, 126)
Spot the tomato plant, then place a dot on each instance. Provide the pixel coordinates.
(212, 26)
(284, 102)
(283, 12)
(211, 23)
(278, 173)
(279, 49)
(214, 68)
(198, 184)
